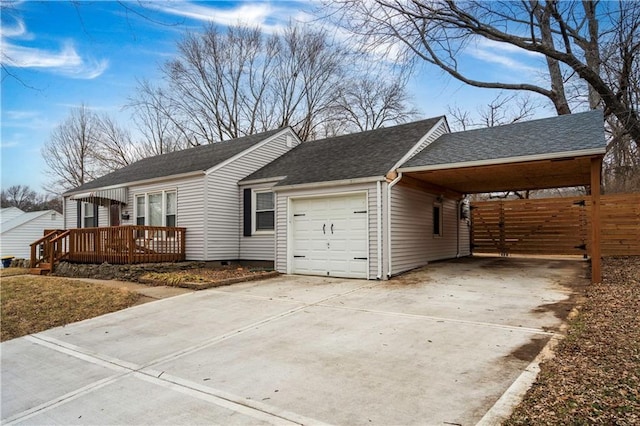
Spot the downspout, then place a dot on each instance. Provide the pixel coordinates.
(391, 185)
(379, 226)
(457, 229)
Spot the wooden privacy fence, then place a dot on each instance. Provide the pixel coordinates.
(556, 226)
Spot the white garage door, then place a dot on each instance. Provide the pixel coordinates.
(329, 236)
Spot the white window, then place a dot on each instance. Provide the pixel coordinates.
(156, 209)
(88, 215)
(140, 209)
(437, 219)
(264, 210)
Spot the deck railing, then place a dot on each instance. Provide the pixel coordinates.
(116, 244)
(127, 244)
(43, 250)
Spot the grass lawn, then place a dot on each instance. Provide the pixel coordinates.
(594, 377)
(9, 272)
(30, 304)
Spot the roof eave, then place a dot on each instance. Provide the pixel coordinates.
(507, 160)
(137, 182)
(329, 183)
(261, 180)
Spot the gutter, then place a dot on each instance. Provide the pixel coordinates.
(457, 229)
(391, 185)
(329, 183)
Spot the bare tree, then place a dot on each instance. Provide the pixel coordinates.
(374, 100)
(28, 200)
(70, 153)
(503, 109)
(158, 119)
(20, 196)
(218, 82)
(227, 84)
(570, 35)
(115, 148)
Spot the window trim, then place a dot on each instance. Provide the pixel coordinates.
(255, 211)
(145, 214)
(438, 205)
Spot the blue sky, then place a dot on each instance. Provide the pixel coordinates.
(67, 53)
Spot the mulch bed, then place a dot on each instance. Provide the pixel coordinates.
(198, 279)
(594, 377)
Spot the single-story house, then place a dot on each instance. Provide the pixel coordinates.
(18, 229)
(365, 205)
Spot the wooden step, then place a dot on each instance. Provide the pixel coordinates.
(41, 269)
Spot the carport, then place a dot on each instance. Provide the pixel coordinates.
(558, 152)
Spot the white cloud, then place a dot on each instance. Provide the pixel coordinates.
(19, 29)
(21, 115)
(65, 61)
(9, 144)
(504, 54)
(251, 14)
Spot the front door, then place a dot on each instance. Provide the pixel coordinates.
(114, 214)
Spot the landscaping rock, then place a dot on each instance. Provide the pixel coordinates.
(108, 271)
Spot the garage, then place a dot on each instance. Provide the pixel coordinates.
(329, 236)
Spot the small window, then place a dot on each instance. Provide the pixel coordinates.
(140, 207)
(89, 219)
(437, 220)
(264, 211)
(170, 209)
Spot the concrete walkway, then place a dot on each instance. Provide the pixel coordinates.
(439, 346)
(149, 293)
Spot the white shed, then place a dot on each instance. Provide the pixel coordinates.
(19, 229)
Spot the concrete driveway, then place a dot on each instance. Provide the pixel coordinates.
(436, 346)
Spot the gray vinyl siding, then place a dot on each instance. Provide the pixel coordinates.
(259, 246)
(412, 241)
(189, 214)
(71, 214)
(224, 206)
(103, 216)
(282, 200)
(17, 241)
(465, 237)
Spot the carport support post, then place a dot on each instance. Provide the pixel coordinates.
(596, 170)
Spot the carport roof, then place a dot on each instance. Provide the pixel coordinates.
(547, 153)
(359, 155)
(545, 137)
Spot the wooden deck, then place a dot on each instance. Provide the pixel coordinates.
(116, 244)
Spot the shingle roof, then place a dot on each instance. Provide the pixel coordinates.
(189, 160)
(566, 133)
(366, 154)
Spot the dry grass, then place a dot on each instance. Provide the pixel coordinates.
(10, 272)
(31, 304)
(594, 377)
(202, 275)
